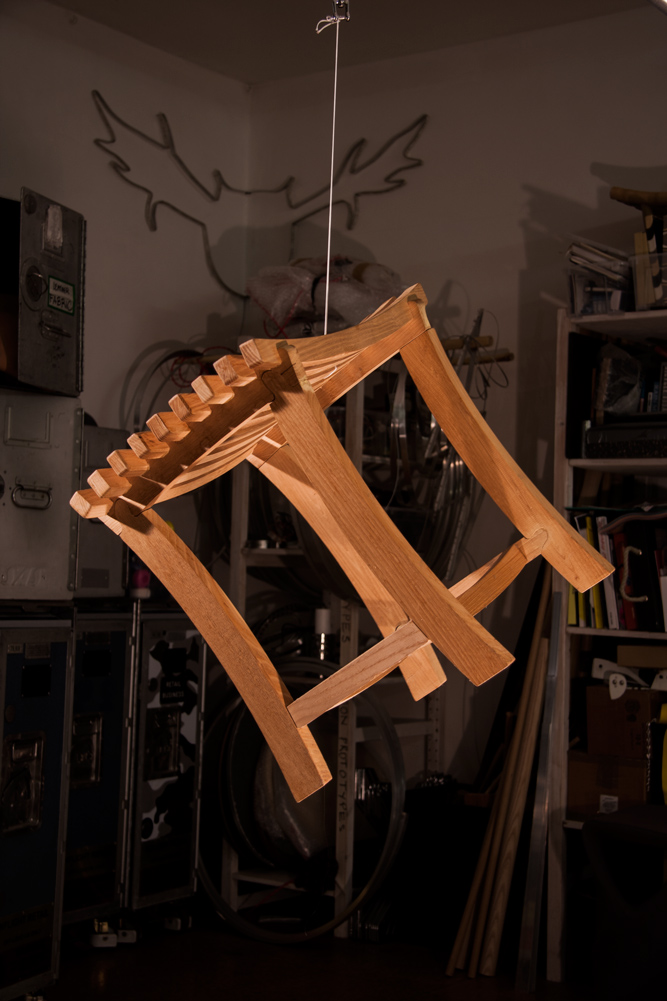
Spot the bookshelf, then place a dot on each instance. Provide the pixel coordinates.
(579, 340)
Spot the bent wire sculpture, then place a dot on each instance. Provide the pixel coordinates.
(266, 406)
(359, 173)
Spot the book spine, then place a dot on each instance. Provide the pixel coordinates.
(587, 616)
(596, 592)
(608, 584)
(572, 610)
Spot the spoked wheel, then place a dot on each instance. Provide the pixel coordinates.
(282, 890)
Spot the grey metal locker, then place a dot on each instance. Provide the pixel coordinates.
(35, 698)
(40, 454)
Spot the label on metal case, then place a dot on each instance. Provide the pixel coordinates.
(61, 295)
(51, 295)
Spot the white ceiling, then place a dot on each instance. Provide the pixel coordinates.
(257, 41)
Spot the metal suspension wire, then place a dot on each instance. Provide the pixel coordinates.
(341, 12)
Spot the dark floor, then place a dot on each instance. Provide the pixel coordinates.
(211, 962)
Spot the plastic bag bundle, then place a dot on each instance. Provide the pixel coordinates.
(293, 296)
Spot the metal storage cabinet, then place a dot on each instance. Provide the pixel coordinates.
(101, 557)
(35, 696)
(40, 452)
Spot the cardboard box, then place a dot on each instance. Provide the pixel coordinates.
(603, 784)
(617, 727)
(638, 656)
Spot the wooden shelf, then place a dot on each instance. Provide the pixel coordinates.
(269, 556)
(649, 323)
(627, 634)
(622, 327)
(631, 467)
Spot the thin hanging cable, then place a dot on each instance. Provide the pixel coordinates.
(336, 18)
(331, 185)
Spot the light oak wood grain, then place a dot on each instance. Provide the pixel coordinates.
(267, 405)
(180, 454)
(125, 463)
(145, 445)
(381, 546)
(355, 677)
(211, 389)
(422, 671)
(509, 776)
(106, 483)
(189, 408)
(212, 613)
(89, 504)
(483, 586)
(234, 371)
(494, 468)
(167, 426)
(338, 348)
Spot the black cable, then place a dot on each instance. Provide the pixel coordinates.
(312, 670)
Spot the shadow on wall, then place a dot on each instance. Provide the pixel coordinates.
(639, 178)
(450, 312)
(551, 222)
(278, 245)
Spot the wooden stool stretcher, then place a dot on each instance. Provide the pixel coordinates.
(267, 406)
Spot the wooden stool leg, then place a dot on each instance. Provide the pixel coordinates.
(381, 547)
(422, 670)
(211, 611)
(493, 466)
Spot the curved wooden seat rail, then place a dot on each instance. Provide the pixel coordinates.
(267, 406)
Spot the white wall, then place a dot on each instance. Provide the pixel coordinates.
(525, 135)
(142, 287)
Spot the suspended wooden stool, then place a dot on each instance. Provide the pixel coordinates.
(267, 406)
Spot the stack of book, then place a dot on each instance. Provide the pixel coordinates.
(600, 280)
(627, 417)
(635, 597)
